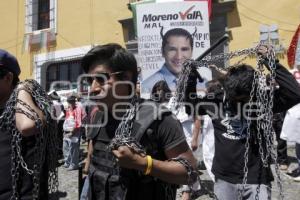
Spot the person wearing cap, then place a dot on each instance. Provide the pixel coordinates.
(9, 74)
(19, 114)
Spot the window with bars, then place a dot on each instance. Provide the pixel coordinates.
(270, 35)
(67, 71)
(128, 29)
(43, 14)
(40, 14)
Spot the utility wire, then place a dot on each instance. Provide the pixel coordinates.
(17, 28)
(238, 2)
(70, 43)
(259, 22)
(15, 45)
(91, 23)
(10, 40)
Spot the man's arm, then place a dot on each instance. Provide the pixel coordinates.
(171, 139)
(25, 125)
(88, 157)
(169, 171)
(288, 93)
(196, 133)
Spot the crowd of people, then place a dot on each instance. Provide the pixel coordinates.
(137, 148)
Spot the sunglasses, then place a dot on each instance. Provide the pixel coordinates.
(100, 78)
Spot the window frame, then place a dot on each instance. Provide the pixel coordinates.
(57, 65)
(31, 16)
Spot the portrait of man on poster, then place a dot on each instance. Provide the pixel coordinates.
(177, 46)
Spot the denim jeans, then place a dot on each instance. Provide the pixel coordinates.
(85, 192)
(71, 151)
(228, 191)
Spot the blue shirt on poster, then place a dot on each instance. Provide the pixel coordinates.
(162, 74)
(170, 78)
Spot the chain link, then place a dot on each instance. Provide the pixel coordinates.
(123, 133)
(182, 84)
(46, 141)
(247, 144)
(193, 175)
(261, 97)
(225, 57)
(123, 138)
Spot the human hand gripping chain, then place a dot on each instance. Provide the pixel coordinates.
(261, 94)
(130, 154)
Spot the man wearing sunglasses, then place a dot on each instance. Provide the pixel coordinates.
(20, 112)
(124, 172)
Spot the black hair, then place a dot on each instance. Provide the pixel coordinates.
(15, 80)
(161, 85)
(238, 81)
(71, 98)
(112, 56)
(213, 85)
(176, 32)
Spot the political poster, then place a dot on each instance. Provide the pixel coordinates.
(168, 34)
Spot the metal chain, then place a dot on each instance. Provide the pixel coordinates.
(191, 172)
(261, 97)
(123, 133)
(189, 64)
(123, 138)
(182, 85)
(241, 60)
(272, 66)
(46, 141)
(264, 128)
(193, 175)
(226, 56)
(247, 144)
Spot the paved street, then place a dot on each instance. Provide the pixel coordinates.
(291, 188)
(68, 184)
(68, 180)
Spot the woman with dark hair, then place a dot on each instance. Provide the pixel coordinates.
(161, 93)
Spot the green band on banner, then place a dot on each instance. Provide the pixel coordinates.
(133, 9)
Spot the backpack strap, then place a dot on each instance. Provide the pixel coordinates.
(94, 130)
(148, 113)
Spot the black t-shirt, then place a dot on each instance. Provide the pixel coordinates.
(167, 134)
(230, 135)
(228, 162)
